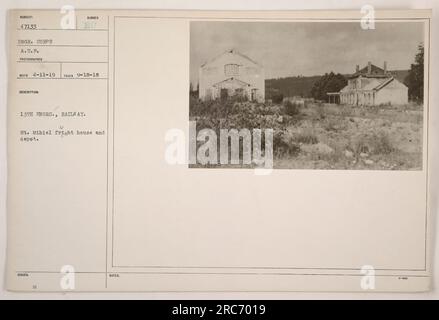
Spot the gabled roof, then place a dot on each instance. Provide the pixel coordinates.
(372, 84)
(375, 85)
(234, 80)
(385, 83)
(374, 69)
(230, 52)
(345, 89)
(376, 72)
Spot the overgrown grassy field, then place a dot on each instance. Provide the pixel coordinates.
(325, 136)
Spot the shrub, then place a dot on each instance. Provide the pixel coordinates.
(347, 111)
(274, 95)
(330, 125)
(291, 108)
(334, 124)
(320, 111)
(383, 144)
(307, 137)
(277, 97)
(375, 143)
(374, 109)
(282, 147)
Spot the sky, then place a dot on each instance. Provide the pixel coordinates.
(307, 48)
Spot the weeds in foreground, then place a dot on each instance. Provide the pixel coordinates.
(373, 143)
(291, 108)
(306, 137)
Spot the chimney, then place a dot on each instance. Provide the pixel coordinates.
(369, 67)
(385, 67)
(357, 68)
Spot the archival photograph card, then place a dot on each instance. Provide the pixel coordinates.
(204, 151)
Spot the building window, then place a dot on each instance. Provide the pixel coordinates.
(231, 69)
(353, 84)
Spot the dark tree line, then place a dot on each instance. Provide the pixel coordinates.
(330, 82)
(289, 87)
(415, 79)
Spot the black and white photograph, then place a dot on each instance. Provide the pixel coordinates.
(235, 153)
(336, 95)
